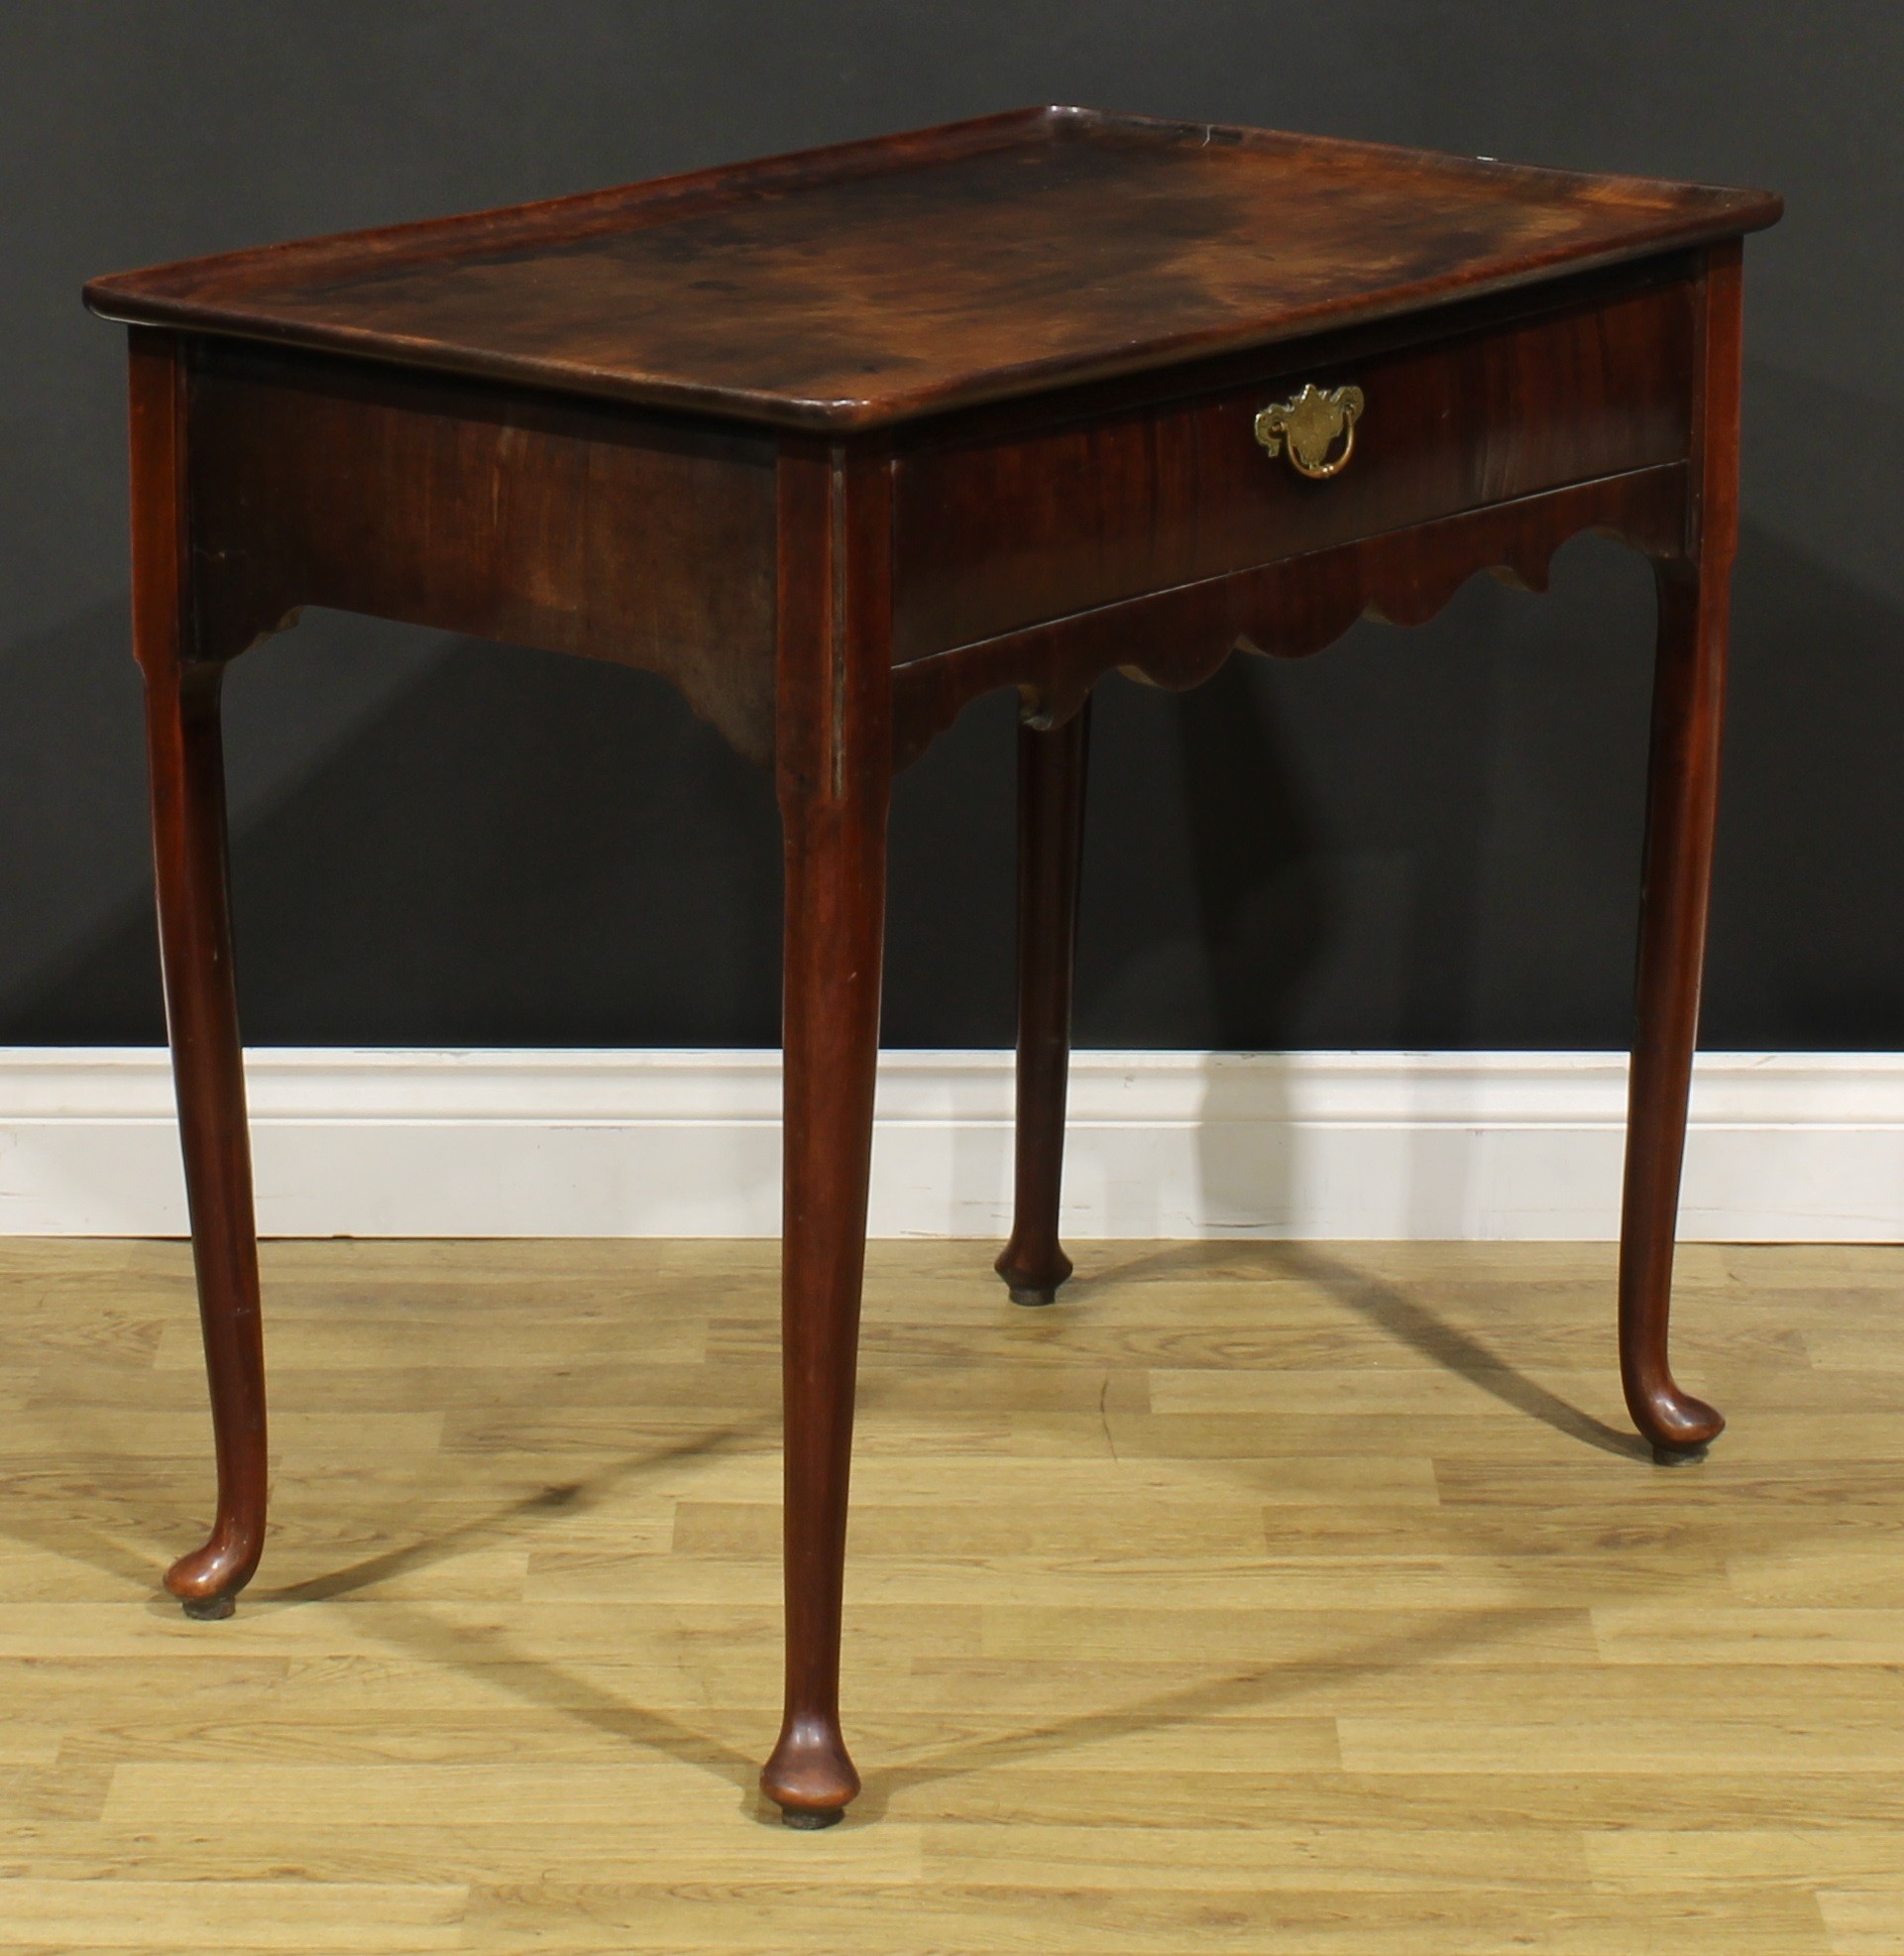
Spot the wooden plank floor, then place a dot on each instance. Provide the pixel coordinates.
(1266, 1598)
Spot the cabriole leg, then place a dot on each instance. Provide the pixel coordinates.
(1682, 804)
(186, 764)
(834, 766)
(1052, 769)
(1682, 807)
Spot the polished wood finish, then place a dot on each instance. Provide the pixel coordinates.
(838, 442)
(1052, 767)
(998, 531)
(1682, 807)
(1178, 638)
(876, 281)
(187, 775)
(444, 502)
(1153, 1649)
(835, 782)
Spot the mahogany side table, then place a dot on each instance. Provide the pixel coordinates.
(839, 441)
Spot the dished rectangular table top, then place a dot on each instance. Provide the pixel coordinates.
(874, 281)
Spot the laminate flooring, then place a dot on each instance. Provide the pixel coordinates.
(1283, 1598)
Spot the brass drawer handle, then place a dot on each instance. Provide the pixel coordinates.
(1312, 423)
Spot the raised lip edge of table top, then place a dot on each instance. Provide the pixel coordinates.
(1689, 214)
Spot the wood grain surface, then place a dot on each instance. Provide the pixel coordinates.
(573, 526)
(997, 532)
(1305, 1598)
(873, 282)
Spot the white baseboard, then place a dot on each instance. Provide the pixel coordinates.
(1525, 1146)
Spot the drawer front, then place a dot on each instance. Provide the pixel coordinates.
(997, 533)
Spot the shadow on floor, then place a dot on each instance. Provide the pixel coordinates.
(1393, 1311)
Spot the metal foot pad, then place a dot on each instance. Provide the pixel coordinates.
(208, 1609)
(810, 1821)
(1677, 1457)
(1032, 1296)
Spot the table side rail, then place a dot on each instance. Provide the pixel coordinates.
(1177, 637)
(566, 525)
(995, 534)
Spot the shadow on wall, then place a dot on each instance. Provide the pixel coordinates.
(78, 963)
(1267, 856)
(1807, 941)
(1801, 956)
(1417, 839)
(1330, 852)
(497, 849)
(76, 862)
(1264, 911)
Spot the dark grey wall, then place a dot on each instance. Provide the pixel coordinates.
(1417, 839)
